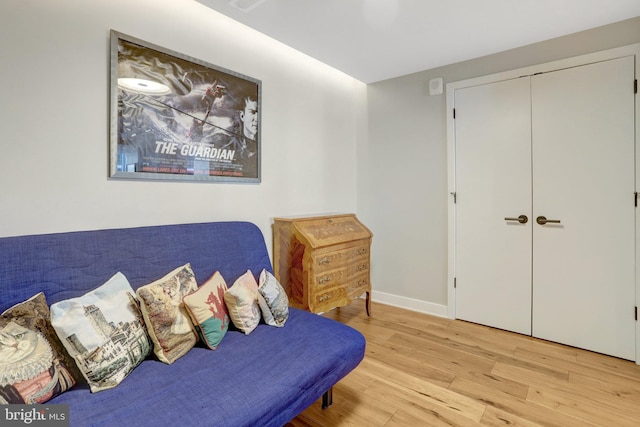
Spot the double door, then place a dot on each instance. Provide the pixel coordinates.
(545, 214)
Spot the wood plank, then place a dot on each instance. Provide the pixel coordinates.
(621, 387)
(427, 407)
(499, 418)
(581, 406)
(440, 354)
(402, 360)
(509, 407)
(600, 383)
(489, 381)
(433, 393)
(530, 373)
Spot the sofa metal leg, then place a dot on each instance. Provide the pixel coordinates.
(327, 398)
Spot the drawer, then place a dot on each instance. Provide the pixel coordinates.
(354, 288)
(340, 276)
(330, 259)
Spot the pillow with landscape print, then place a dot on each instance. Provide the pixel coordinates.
(242, 303)
(34, 366)
(104, 332)
(208, 311)
(167, 319)
(273, 300)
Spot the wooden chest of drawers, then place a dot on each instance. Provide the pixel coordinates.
(323, 261)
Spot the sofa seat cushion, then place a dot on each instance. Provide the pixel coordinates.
(315, 352)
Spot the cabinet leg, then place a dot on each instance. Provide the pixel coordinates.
(368, 303)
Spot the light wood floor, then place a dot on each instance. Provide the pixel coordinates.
(421, 370)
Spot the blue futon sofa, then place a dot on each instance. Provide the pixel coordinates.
(265, 378)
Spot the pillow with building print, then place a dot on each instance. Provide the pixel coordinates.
(34, 366)
(273, 300)
(104, 332)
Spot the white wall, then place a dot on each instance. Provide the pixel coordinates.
(54, 86)
(402, 169)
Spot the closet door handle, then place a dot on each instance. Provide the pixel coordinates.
(522, 219)
(543, 220)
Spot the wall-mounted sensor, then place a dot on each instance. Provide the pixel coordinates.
(435, 86)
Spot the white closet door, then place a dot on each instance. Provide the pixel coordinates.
(583, 175)
(493, 182)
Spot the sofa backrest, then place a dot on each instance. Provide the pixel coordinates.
(67, 265)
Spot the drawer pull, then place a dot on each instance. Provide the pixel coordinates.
(324, 279)
(325, 260)
(362, 251)
(362, 267)
(362, 282)
(325, 297)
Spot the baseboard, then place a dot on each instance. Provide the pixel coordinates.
(410, 304)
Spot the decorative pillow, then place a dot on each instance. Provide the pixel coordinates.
(34, 366)
(103, 330)
(273, 300)
(208, 311)
(168, 322)
(242, 303)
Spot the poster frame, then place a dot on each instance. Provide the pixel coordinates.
(176, 156)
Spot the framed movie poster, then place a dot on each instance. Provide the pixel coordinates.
(178, 118)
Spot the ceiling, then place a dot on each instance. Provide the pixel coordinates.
(374, 40)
